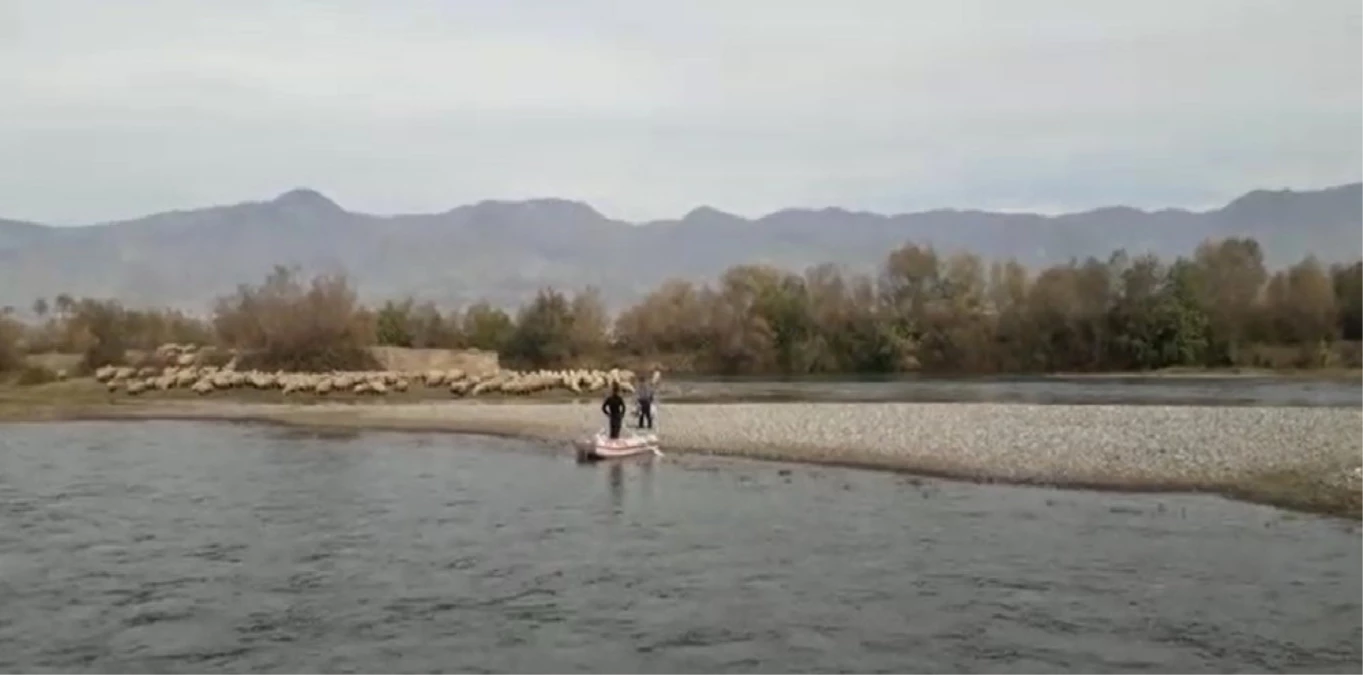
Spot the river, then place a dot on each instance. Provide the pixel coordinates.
(193, 547)
(1098, 389)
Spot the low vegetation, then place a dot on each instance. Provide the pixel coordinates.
(11, 354)
(1336, 492)
(923, 311)
(286, 325)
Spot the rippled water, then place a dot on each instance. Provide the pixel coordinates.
(1266, 391)
(190, 547)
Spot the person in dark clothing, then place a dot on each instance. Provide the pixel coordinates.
(644, 394)
(614, 409)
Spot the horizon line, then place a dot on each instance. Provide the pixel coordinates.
(1046, 212)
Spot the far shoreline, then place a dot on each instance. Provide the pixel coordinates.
(1302, 488)
(1228, 373)
(1021, 390)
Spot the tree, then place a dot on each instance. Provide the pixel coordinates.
(1007, 289)
(909, 284)
(741, 339)
(670, 320)
(921, 310)
(956, 333)
(868, 342)
(1155, 319)
(393, 324)
(784, 303)
(543, 333)
(487, 327)
(1054, 313)
(284, 324)
(1301, 304)
(11, 355)
(1347, 281)
(1187, 330)
(589, 326)
(65, 304)
(1228, 276)
(104, 324)
(431, 329)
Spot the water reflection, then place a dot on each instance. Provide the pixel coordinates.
(616, 476)
(646, 479)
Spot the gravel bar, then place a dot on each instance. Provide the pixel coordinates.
(1104, 446)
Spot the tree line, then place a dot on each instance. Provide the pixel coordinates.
(921, 311)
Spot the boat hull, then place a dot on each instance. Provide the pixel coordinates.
(599, 447)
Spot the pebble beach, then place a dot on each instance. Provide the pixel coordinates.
(1100, 446)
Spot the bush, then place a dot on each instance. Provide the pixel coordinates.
(554, 331)
(31, 375)
(310, 359)
(103, 322)
(217, 358)
(11, 353)
(284, 325)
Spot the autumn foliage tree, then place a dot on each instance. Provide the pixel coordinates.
(925, 311)
(287, 324)
(921, 310)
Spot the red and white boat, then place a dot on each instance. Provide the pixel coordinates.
(600, 446)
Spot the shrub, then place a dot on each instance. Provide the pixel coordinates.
(284, 325)
(31, 375)
(103, 322)
(11, 353)
(209, 356)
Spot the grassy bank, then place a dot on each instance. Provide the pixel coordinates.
(57, 400)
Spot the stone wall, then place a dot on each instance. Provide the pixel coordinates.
(471, 361)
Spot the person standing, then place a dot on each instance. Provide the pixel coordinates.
(644, 396)
(614, 409)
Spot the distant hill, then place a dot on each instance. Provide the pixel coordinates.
(504, 251)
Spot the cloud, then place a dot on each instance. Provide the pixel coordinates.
(647, 109)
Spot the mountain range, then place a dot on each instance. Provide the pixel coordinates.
(504, 251)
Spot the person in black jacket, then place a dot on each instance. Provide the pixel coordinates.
(614, 409)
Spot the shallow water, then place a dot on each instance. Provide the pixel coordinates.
(1219, 391)
(172, 546)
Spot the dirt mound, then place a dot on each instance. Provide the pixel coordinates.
(472, 361)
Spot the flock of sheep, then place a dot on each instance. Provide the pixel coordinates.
(182, 371)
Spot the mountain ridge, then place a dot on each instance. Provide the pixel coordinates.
(506, 249)
(304, 194)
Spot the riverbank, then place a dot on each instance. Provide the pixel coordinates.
(1324, 373)
(1299, 458)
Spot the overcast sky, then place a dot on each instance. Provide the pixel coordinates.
(647, 109)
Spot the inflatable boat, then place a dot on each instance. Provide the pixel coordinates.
(600, 446)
